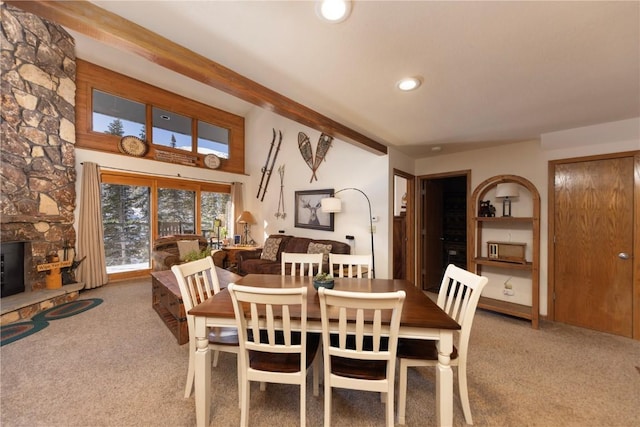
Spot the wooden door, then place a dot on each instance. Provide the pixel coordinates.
(399, 247)
(432, 233)
(593, 226)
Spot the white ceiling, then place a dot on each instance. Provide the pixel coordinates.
(494, 72)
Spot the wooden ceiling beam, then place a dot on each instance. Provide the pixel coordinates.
(111, 29)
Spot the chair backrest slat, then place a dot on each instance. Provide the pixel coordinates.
(301, 264)
(270, 315)
(362, 338)
(338, 263)
(459, 295)
(197, 281)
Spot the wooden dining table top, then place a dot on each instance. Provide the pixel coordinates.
(419, 311)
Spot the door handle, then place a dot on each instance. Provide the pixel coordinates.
(623, 255)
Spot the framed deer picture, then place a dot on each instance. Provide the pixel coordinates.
(307, 210)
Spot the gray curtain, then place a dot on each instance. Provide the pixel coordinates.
(93, 270)
(237, 207)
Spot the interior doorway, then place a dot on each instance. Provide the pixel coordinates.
(442, 221)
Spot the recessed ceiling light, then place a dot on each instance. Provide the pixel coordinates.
(333, 11)
(409, 83)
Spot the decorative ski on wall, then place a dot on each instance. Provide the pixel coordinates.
(304, 145)
(268, 165)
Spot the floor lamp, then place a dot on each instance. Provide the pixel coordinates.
(334, 205)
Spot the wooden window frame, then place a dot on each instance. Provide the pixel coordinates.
(90, 76)
(154, 182)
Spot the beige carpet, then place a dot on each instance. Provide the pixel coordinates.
(118, 365)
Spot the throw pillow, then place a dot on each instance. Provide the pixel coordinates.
(320, 248)
(270, 249)
(185, 247)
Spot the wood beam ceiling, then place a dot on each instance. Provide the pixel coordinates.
(111, 29)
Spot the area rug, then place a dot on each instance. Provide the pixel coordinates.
(67, 309)
(14, 331)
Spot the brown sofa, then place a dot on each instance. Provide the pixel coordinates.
(165, 252)
(253, 262)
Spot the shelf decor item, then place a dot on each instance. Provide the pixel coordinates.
(506, 191)
(212, 161)
(507, 251)
(133, 146)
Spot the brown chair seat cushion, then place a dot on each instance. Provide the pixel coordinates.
(420, 349)
(284, 362)
(358, 368)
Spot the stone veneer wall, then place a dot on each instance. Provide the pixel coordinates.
(37, 189)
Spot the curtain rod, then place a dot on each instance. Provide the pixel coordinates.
(168, 175)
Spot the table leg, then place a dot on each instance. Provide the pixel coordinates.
(444, 380)
(202, 373)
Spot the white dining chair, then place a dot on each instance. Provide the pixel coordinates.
(271, 349)
(198, 281)
(359, 356)
(459, 295)
(301, 264)
(347, 265)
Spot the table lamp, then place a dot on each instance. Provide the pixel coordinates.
(247, 219)
(506, 191)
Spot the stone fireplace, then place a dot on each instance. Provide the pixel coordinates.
(37, 190)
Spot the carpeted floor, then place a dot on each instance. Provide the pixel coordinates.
(118, 365)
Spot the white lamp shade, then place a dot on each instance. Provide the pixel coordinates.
(507, 189)
(331, 205)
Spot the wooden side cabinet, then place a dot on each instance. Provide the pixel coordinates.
(477, 239)
(167, 302)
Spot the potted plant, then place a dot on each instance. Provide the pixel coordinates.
(324, 280)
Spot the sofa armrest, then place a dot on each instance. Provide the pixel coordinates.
(244, 255)
(164, 260)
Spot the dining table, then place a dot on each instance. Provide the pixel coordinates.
(421, 319)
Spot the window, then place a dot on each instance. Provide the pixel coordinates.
(180, 130)
(213, 140)
(171, 130)
(127, 231)
(136, 209)
(117, 116)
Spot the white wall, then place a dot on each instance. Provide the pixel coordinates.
(345, 166)
(530, 160)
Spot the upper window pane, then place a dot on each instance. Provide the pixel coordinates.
(213, 140)
(118, 116)
(171, 129)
